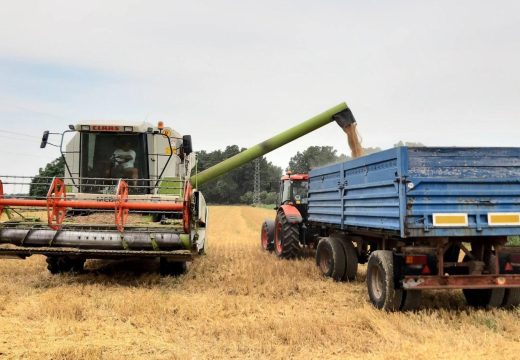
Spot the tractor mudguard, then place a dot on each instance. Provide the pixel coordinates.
(292, 214)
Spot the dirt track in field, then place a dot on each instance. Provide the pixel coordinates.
(235, 302)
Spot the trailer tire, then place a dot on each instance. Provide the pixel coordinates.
(511, 298)
(267, 235)
(286, 237)
(174, 268)
(64, 264)
(411, 300)
(330, 258)
(485, 298)
(351, 261)
(380, 281)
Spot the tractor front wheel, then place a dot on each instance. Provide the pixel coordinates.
(267, 235)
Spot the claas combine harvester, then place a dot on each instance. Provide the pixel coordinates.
(141, 178)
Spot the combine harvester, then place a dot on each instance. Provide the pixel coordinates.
(122, 170)
(421, 217)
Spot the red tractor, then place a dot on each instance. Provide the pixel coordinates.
(285, 235)
(291, 231)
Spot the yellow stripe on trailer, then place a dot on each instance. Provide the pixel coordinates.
(450, 220)
(503, 219)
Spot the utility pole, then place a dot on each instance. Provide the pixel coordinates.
(256, 182)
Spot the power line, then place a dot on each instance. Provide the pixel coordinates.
(17, 133)
(11, 137)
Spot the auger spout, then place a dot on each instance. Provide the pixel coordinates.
(339, 113)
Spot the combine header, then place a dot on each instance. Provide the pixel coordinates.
(127, 191)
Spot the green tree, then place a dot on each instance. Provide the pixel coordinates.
(409, 143)
(314, 156)
(371, 150)
(41, 182)
(230, 188)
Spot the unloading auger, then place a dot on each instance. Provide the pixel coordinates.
(111, 172)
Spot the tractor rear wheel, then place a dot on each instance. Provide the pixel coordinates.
(330, 258)
(286, 238)
(267, 235)
(174, 268)
(380, 281)
(64, 264)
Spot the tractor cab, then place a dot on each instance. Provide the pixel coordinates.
(294, 191)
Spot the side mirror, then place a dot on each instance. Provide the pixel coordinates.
(45, 138)
(187, 145)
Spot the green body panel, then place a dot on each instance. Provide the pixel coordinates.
(171, 186)
(268, 145)
(185, 239)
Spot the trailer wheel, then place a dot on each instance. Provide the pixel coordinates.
(267, 235)
(64, 264)
(380, 281)
(330, 258)
(411, 300)
(511, 298)
(286, 237)
(485, 298)
(351, 261)
(174, 268)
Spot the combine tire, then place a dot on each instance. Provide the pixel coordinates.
(286, 238)
(267, 235)
(380, 281)
(351, 261)
(330, 258)
(173, 268)
(64, 264)
(485, 298)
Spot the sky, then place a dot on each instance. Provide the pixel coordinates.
(444, 73)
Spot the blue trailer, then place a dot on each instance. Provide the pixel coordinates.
(421, 217)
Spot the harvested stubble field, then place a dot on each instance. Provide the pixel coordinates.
(235, 302)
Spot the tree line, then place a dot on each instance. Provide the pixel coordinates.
(235, 187)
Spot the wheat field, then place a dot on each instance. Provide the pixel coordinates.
(234, 302)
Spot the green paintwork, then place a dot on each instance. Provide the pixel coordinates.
(185, 240)
(171, 186)
(268, 145)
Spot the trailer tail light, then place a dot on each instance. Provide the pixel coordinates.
(450, 220)
(418, 263)
(416, 260)
(503, 219)
(426, 270)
